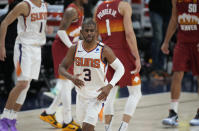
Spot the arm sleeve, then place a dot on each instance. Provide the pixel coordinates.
(119, 71)
(64, 37)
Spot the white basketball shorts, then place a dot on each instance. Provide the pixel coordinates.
(87, 110)
(27, 61)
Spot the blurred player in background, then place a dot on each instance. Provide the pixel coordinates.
(32, 16)
(115, 28)
(67, 34)
(186, 54)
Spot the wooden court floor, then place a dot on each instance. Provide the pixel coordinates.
(149, 113)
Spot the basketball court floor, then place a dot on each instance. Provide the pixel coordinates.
(150, 111)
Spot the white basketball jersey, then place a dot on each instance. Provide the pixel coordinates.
(31, 29)
(92, 68)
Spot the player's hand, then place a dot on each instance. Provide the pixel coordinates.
(2, 53)
(165, 48)
(104, 92)
(198, 46)
(79, 83)
(138, 66)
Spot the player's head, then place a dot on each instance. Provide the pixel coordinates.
(89, 30)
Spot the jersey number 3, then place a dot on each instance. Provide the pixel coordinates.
(87, 74)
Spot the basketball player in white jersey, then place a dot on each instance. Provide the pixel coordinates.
(90, 59)
(68, 33)
(32, 15)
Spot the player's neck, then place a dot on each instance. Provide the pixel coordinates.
(89, 46)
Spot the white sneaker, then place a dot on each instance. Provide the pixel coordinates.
(195, 121)
(172, 119)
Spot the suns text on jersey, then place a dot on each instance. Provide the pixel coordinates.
(38, 16)
(106, 12)
(88, 62)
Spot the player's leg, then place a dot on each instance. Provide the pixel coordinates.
(66, 101)
(131, 104)
(91, 117)
(179, 67)
(195, 120)
(58, 53)
(57, 100)
(195, 70)
(175, 95)
(49, 114)
(87, 127)
(109, 108)
(23, 60)
(13, 105)
(81, 106)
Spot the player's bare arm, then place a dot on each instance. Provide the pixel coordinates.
(94, 19)
(70, 15)
(171, 29)
(126, 12)
(21, 9)
(109, 56)
(66, 63)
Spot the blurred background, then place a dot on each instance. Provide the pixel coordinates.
(150, 20)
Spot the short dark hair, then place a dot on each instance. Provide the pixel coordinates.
(88, 21)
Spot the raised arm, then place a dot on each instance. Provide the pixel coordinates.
(94, 19)
(22, 9)
(70, 14)
(171, 28)
(126, 12)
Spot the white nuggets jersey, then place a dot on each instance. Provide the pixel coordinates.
(92, 68)
(31, 29)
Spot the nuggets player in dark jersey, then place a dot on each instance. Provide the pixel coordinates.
(69, 31)
(185, 17)
(115, 28)
(32, 16)
(90, 59)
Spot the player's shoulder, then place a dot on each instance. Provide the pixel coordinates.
(106, 48)
(23, 8)
(100, 44)
(124, 7)
(124, 4)
(23, 4)
(71, 9)
(70, 13)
